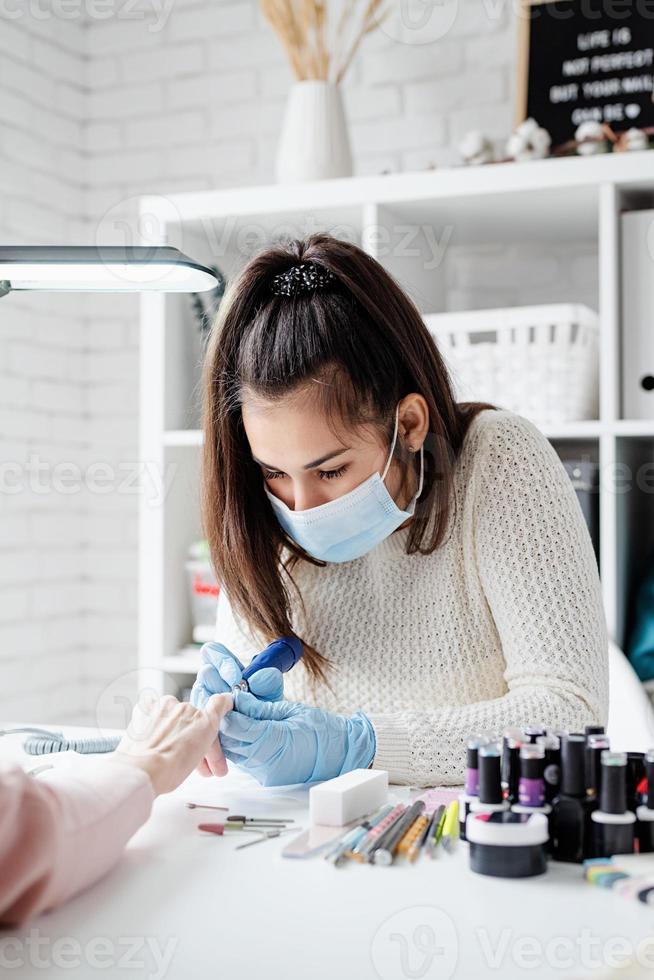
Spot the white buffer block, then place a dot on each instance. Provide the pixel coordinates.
(352, 795)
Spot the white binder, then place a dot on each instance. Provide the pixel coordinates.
(637, 287)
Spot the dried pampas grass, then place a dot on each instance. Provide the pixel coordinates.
(314, 50)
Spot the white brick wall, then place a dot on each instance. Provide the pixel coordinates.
(155, 99)
(43, 340)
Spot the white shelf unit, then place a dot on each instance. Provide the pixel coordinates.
(549, 202)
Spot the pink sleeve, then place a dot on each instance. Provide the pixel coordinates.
(61, 831)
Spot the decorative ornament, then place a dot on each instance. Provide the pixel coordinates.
(475, 148)
(529, 142)
(302, 278)
(593, 137)
(631, 139)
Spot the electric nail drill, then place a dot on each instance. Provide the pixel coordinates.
(283, 654)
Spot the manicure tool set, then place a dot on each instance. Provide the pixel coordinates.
(397, 833)
(530, 796)
(266, 828)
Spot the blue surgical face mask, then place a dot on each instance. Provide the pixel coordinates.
(351, 525)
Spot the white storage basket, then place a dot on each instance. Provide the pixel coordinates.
(538, 361)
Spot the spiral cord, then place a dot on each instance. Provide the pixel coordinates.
(42, 742)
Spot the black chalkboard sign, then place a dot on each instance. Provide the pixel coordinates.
(586, 60)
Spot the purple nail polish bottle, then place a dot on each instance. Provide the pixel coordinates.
(471, 780)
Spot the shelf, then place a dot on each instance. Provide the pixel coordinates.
(624, 169)
(558, 430)
(183, 437)
(584, 429)
(634, 427)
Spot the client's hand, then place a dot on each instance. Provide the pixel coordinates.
(219, 672)
(168, 738)
(282, 742)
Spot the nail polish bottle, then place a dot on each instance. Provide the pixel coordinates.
(570, 819)
(645, 812)
(491, 798)
(531, 795)
(635, 775)
(511, 742)
(534, 732)
(613, 824)
(552, 771)
(471, 780)
(595, 745)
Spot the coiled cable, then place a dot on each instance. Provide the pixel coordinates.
(42, 742)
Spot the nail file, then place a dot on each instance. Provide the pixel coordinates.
(312, 841)
(354, 794)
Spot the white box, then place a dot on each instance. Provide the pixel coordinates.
(637, 289)
(347, 797)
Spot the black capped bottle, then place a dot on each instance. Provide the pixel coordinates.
(531, 794)
(491, 798)
(635, 776)
(512, 739)
(596, 743)
(645, 812)
(613, 824)
(570, 819)
(552, 771)
(534, 732)
(471, 780)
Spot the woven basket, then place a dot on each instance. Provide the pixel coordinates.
(538, 361)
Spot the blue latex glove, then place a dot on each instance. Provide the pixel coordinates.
(220, 670)
(284, 742)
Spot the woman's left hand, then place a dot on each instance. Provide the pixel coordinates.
(284, 742)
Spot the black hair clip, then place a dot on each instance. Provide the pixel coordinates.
(301, 278)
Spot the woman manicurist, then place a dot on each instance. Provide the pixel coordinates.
(431, 555)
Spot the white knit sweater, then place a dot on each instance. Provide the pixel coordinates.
(502, 625)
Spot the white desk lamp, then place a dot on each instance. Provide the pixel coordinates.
(103, 268)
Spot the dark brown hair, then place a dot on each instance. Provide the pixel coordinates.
(361, 335)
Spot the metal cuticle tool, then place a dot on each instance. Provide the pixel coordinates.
(220, 829)
(206, 806)
(268, 821)
(264, 835)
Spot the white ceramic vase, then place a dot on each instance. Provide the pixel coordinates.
(314, 142)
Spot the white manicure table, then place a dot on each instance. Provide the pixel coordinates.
(185, 905)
